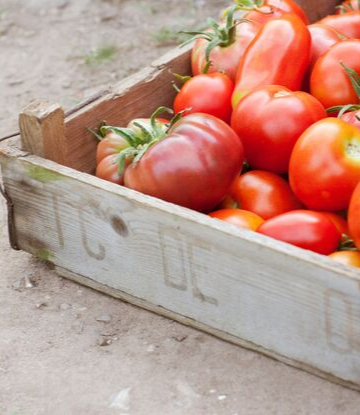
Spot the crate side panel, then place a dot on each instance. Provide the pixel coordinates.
(236, 282)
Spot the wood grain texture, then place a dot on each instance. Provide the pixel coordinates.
(286, 302)
(42, 131)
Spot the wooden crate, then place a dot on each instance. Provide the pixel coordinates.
(293, 305)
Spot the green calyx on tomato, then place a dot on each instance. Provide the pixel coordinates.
(140, 136)
(253, 5)
(220, 34)
(355, 82)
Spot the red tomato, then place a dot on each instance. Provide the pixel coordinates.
(209, 94)
(354, 216)
(224, 57)
(351, 258)
(305, 229)
(238, 217)
(329, 82)
(108, 169)
(269, 60)
(269, 121)
(322, 38)
(347, 23)
(194, 165)
(263, 193)
(325, 165)
(289, 6)
(339, 222)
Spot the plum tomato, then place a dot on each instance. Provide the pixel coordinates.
(303, 228)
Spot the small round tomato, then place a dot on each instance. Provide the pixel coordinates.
(239, 217)
(354, 216)
(263, 193)
(305, 229)
(325, 165)
(329, 82)
(269, 121)
(346, 23)
(351, 258)
(208, 93)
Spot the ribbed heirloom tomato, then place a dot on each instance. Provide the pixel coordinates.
(325, 165)
(269, 121)
(192, 165)
(346, 23)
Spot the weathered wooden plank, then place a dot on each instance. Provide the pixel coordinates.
(43, 132)
(287, 302)
(137, 96)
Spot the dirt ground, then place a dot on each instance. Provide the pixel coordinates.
(66, 350)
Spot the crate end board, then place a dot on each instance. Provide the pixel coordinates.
(292, 303)
(143, 304)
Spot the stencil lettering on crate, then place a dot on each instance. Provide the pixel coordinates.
(343, 335)
(183, 268)
(100, 253)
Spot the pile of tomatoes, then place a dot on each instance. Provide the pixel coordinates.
(266, 132)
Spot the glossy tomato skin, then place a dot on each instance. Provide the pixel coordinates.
(289, 6)
(239, 217)
(209, 94)
(351, 258)
(305, 229)
(347, 23)
(108, 169)
(339, 222)
(269, 59)
(111, 144)
(325, 165)
(265, 14)
(269, 121)
(224, 59)
(264, 193)
(322, 38)
(194, 166)
(354, 216)
(329, 82)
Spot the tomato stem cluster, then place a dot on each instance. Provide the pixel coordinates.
(219, 34)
